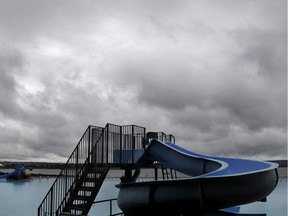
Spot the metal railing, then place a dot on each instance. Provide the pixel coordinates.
(110, 206)
(98, 147)
(122, 143)
(166, 137)
(61, 190)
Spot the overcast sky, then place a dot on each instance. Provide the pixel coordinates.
(211, 72)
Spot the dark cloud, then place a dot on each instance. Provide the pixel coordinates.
(214, 75)
(242, 87)
(247, 91)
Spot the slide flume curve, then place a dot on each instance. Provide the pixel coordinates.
(215, 183)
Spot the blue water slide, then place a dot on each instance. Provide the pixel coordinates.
(227, 166)
(215, 182)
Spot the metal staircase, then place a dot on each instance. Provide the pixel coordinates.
(85, 191)
(77, 185)
(99, 149)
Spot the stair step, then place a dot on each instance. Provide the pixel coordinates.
(96, 170)
(85, 188)
(81, 197)
(89, 179)
(77, 207)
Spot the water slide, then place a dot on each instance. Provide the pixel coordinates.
(215, 183)
(14, 172)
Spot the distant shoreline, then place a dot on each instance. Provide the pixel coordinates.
(116, 173)
(47, 169)
(51, 165)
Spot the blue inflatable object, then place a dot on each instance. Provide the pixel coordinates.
(17, 171)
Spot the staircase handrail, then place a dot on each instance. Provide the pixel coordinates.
(65, 168)
(86, 163)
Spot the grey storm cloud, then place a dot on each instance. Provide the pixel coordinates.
(243, 87)
(10, 62)
(213, 74)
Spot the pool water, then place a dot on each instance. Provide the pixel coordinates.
(22, 198)
(276, 204)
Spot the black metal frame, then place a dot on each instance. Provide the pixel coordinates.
(91, 159)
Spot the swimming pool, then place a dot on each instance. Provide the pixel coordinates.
(22, 198)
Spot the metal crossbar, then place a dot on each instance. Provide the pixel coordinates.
(110, 206)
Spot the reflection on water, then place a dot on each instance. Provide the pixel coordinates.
(22, 198)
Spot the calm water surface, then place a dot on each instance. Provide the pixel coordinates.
(22, 198)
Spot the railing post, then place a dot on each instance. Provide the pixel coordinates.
(144, 139)
(107, 145)
(133, 144)
(51, 200)
(103, 139)
(110, 207)
(77, 157)
(121, 144)
(89, 146)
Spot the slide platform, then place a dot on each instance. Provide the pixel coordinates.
(215, 183)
